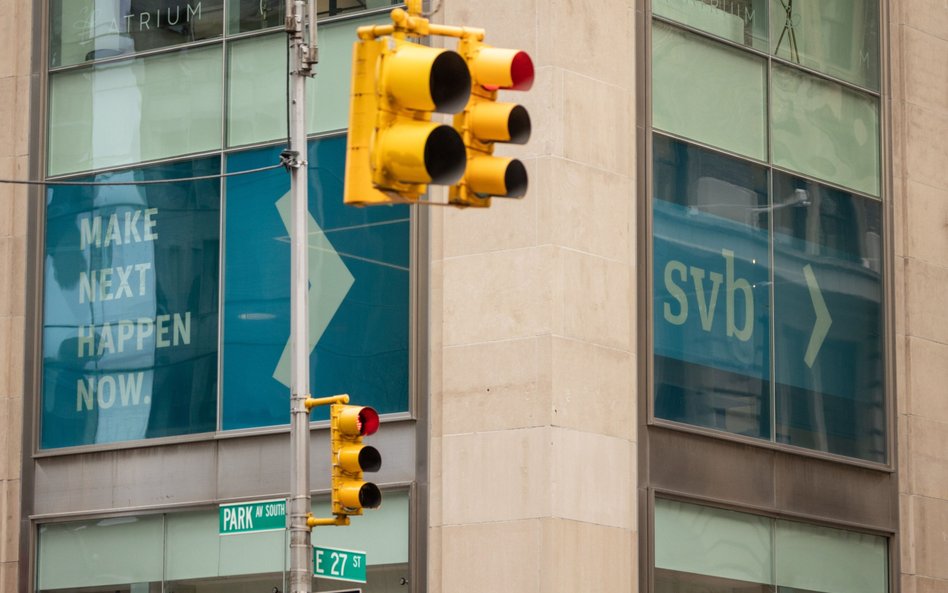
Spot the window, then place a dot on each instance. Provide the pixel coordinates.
(700, 548)
(167, 305)
(767, 227)
(184, 552)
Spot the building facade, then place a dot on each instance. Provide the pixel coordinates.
(705, 352)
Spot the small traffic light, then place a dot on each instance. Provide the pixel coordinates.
(394, 148)
(485, 121)
(348, 424)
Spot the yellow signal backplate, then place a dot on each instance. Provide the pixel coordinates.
(363, 110)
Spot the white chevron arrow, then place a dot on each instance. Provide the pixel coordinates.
(823, 320)
(329, 283)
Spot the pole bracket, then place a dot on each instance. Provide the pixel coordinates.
(312, 402)
(290, 160)
(312, 521)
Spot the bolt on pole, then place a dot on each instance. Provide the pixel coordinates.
(300, 16)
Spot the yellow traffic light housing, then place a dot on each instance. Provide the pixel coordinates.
(394, 149)
(485, 122)
(350, 458)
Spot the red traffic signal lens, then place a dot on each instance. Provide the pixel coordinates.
(496, 68)
(521, 72)
(368, 423)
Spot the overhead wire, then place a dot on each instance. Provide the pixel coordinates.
(67, 182)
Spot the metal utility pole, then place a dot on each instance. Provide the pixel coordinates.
(301, 29)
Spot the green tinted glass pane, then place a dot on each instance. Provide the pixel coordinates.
(257, 90)
(256, 93)
(192, 548)
(708, 92)
(740, 21)
(825, 130)
(195, 550)
(815, 558)
(714, 542)
(114, 551)
(839, 38)
(84, 30)
(253, 15)
(135, 110)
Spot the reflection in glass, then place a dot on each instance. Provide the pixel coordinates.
(708, 92)
(131, 301)
(136, 110)
(740, 21)
(824, 130)
(360, 259)
(828, 320)
(85, 30)
(253, 15)
(839, 38)
(711, 290)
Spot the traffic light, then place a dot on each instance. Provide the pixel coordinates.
(485, 121)
(348, 424)
(394, 149)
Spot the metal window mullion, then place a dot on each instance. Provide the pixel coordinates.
(772, 292)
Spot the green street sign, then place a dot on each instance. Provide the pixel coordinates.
(342, 565)
(253, 517)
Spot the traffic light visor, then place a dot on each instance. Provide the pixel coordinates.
(497, 176)
(426, 79)
(509, 69)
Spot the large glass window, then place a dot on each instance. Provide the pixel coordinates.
(704, 549)
(167, 305)
(828, 319)
(767, 223)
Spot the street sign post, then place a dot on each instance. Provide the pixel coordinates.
(252, 517)
(341, 565)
